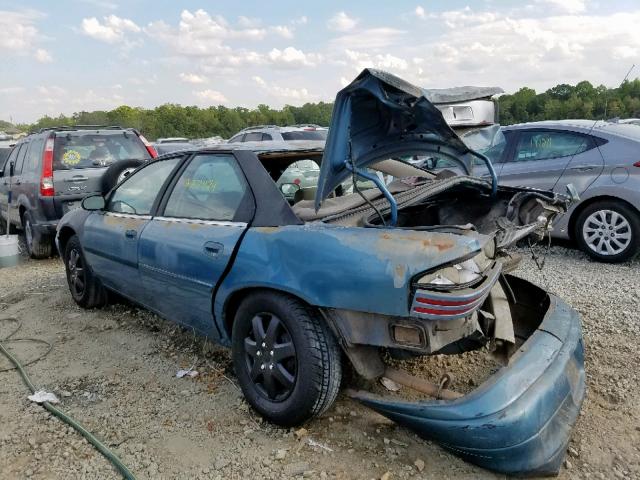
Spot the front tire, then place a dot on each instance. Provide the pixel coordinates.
(286, 359)
(608, 231)
(85, 289)
(38, 246)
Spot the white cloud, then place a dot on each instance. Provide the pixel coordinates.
(282, 30)
(192, 78)
(18, 33)
(42, 56)
(111, 30)
(566, 6)
(290, 57)
(296, 95)
(371, 38)
(104, 4)
(341, 22)
(303, 20)
(211, 96)
(420, 13)
(362, 60)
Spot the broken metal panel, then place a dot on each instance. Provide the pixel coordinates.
(519, 421)
(363, 269)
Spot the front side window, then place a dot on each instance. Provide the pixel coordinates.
(138, 192)
(210, 188)
(544, 145)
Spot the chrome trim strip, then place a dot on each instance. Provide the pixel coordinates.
(175, 275)
(128, 215)
(218, 223)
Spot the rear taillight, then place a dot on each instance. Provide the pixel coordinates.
(296, 181)
(46, 179)
(637, 164)
(149, 147)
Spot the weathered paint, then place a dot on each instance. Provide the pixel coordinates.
(352, 268)
(520, 420)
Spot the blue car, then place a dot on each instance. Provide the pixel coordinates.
(416, 266)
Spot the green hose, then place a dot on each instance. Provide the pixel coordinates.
(101, 447)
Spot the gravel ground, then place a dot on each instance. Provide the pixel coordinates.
(114, 370)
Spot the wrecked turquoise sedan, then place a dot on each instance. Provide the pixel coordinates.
(298, 286)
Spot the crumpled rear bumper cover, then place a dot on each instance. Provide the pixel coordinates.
(519, 421)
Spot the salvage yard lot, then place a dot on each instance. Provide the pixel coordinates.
(114, 370)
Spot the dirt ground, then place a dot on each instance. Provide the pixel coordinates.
(114, 370)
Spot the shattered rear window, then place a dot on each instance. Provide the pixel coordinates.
(94, 150)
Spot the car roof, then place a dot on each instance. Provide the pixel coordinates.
(625, 130)
(260, 148)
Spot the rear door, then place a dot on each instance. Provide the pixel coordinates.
(185, 250)
(81, 158)
(110, 238)
(541, 157)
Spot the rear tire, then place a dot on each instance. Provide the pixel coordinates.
(286, 359)
(608, 231)
(118, 172)
(38, 246)
(86, 290)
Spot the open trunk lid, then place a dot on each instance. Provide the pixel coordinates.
(376, 117)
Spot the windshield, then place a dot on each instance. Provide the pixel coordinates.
(94, 150)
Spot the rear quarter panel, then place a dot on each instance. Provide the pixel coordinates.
(364, 269)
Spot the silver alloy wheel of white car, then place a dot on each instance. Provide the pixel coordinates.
(607, 232)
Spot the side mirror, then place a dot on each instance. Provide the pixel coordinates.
(289, 189)
(11, 168)
(93, 202)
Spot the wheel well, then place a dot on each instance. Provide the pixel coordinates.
(233, 303)
(63, 237)
(576, 213)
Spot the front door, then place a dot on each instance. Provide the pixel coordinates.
(187, 247)
(110, 239)
(542, 157)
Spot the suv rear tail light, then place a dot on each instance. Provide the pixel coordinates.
(46, 179)
(149, 147)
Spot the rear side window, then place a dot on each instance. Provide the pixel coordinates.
(253, 137)
(20, 158)
(305, 135)
(138, 192)
(95, 150)
(34, 155)
(544, 145)
(211, 188)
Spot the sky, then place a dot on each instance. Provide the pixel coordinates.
(75, 55)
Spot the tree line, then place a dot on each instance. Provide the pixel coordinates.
(582, 100)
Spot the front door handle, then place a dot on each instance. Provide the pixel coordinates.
(583, 169)
(213, 249)
(131, 234)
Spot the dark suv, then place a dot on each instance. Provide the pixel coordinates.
(49, 172)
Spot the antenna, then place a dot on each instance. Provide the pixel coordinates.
(606, 100)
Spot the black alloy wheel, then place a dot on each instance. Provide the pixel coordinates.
(271, 357)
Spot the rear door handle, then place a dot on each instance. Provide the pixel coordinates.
(583, 169)
(213, 249)
(76, 178)
(131, 234)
